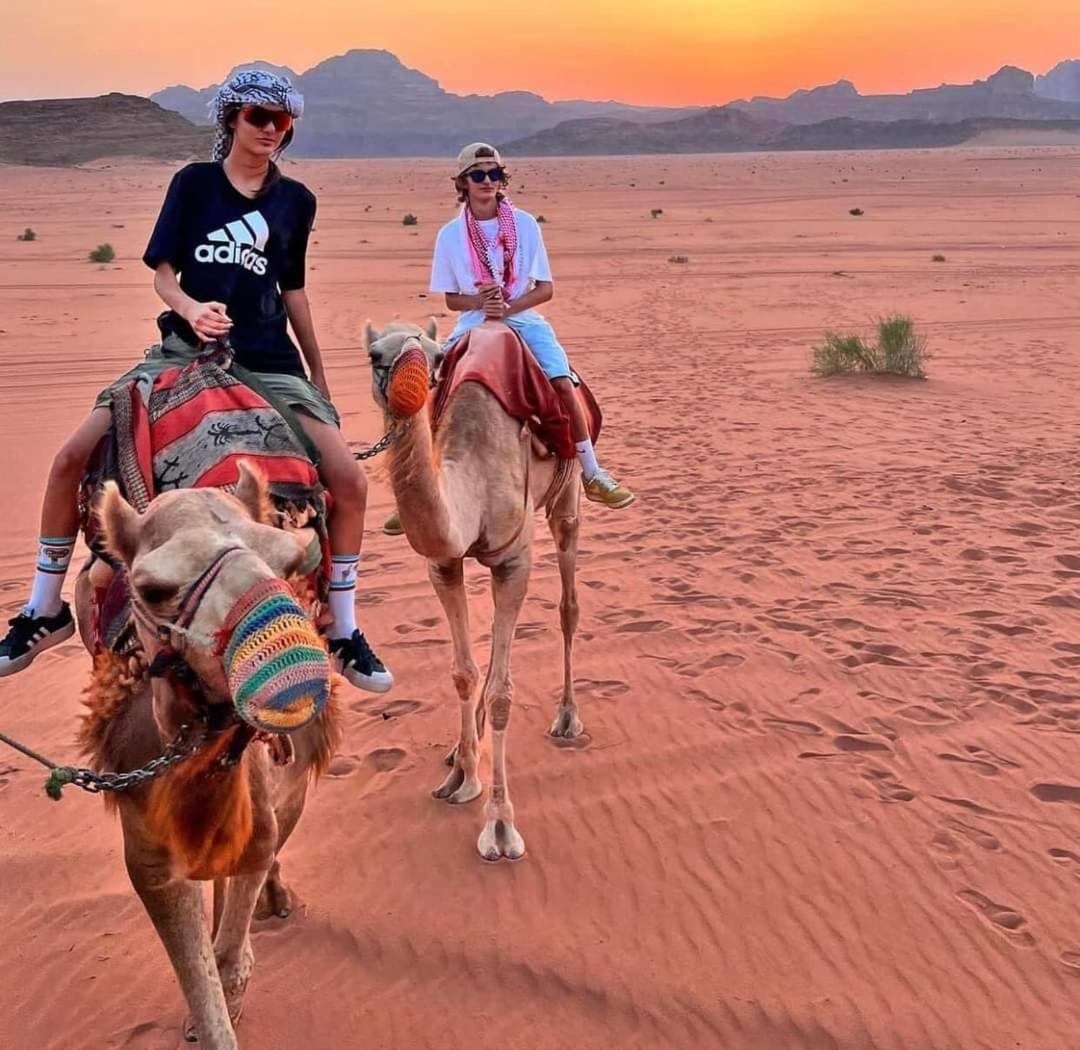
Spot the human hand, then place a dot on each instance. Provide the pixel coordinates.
(208, 320)
(318, 381)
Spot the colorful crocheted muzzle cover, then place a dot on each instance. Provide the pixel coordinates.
(276, 664)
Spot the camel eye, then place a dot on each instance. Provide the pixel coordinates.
(157, 593)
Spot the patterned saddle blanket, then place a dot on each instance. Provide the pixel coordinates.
(189, 430)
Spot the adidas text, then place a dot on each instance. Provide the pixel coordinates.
(248, 258)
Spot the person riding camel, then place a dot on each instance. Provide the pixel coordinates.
(228, 253)
(491, 264)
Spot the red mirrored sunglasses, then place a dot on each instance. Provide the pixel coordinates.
(259, 117)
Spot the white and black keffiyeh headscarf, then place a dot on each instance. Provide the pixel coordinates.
(250, 87)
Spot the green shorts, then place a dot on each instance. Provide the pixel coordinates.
(172, 352)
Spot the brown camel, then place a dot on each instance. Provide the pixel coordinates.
(471, 491)
(205, 819)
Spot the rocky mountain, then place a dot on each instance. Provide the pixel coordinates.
(729, 129)
(1062, 82)
(367, 103)
(1009, 93)
(76, 130)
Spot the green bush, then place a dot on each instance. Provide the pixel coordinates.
(103, 253)
(27, 235)
(899, 351)
(410, 220)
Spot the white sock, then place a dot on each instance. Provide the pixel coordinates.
(343, 594)
(54, 557)
(585, 453)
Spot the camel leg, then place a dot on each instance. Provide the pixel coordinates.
(176, 910)
(509, 583)
(463, 782)
(565, 525)
(276, 898)
(232, 946)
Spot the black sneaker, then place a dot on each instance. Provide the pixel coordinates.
(30, 635)
(359, 664)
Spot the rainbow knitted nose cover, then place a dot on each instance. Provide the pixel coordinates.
(276, 664)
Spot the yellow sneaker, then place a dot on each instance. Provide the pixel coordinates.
(392, 525)
(603, 488)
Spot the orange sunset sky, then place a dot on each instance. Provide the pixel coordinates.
(666, 52)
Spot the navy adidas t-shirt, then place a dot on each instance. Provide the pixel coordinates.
(240, 251)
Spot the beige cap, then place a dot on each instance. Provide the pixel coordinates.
(467, 158)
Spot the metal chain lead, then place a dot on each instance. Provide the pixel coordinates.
(95, 783)
(380, 446)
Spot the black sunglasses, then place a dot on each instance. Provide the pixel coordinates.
(495, 174)
(259, 117)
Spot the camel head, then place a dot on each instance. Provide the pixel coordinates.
(206, 576)
(397, 391)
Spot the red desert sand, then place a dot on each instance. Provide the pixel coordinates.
(829, 795)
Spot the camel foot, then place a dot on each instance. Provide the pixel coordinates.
(567, 724)
(275, 901)
(457, 788)
(234, 981)
(500, 839)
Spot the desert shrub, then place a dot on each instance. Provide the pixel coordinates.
(656, 212)
(540, 218)
(409, 220)
(855, 211)
(678, 259)
(899, 350)
(103, 253)
(939, 258)
(27, 235)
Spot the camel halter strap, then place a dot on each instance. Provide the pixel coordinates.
(189, 604)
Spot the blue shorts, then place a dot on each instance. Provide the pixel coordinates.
(536, 333)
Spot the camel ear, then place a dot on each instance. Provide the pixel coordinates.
(370, 336)
(119, 522)
(281, 550)
(432, 330)
(254, 493)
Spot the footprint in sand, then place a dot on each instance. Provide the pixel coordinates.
(792, 726)
(859, 743)
(384, 759)
(1002, 918)
(974, 834)
(342, 767)
(1070, 959)
(1069, 793)
(887, 785)
(394, 709)
(1067, 858)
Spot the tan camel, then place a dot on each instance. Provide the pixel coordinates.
(205, 819)
(471, 492)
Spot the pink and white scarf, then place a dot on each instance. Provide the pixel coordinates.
(481, 250)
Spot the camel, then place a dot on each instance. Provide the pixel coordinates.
(225, 813)
(471, 491)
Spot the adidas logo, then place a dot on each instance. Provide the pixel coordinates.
(241, 242)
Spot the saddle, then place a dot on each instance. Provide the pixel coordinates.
(495, 356)
(189, 430)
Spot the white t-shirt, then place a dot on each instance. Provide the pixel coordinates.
(451, 267)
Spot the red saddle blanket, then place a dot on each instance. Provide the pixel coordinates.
(189, 430)
(495, 356)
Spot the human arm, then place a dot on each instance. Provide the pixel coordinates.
(542, 292)
(298, 309)
(208, 320)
